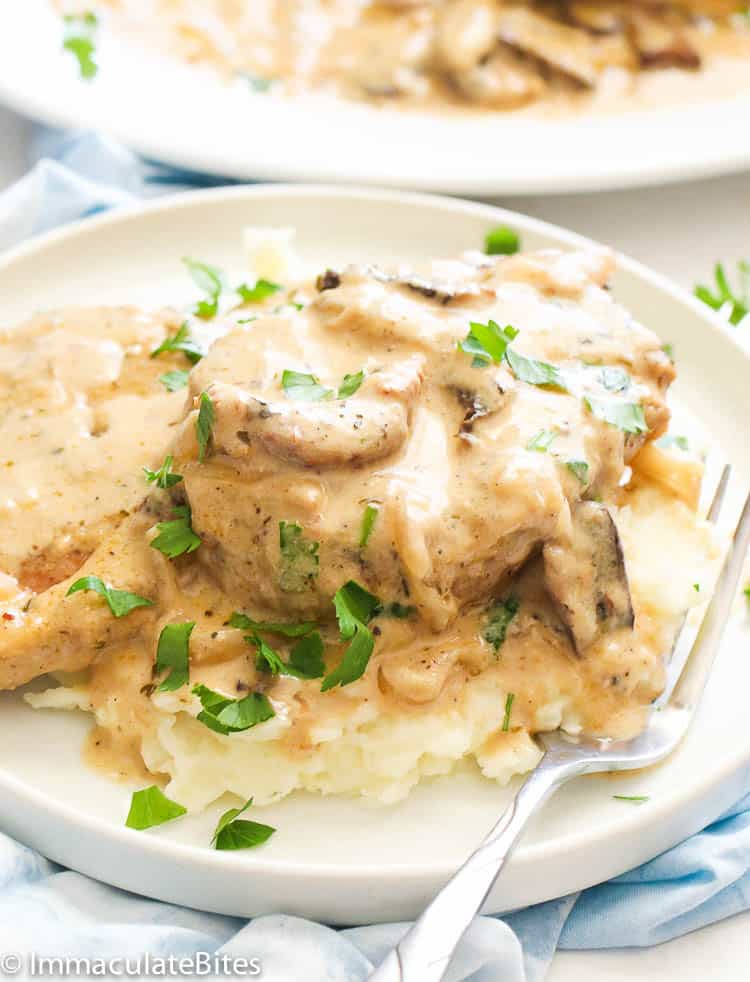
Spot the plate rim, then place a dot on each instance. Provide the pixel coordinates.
(386, 873)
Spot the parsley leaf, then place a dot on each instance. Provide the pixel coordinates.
(535, 372)
(499, 617)
(177, 536)
(394, 609)
(305, 658)
(80, 41)
(501, 241)
(542, 441)
(368, 523)
(299, 558)
(174, 381)
(204, 424)
(150, 807)
(233, 834)
(120, 602)
(508, 706)
(636, 799)
(626, 416)
(300, 385)
(579, 468)
(257, 83)
(225, 716)
(614, 378)
(245, 623)
(487, 342)
(350, 384)
(261, 291)
(355, 607)
(165, 477)
(725, 300)
(208, 279)
(668, 441)
(173, 655)
(182, 341)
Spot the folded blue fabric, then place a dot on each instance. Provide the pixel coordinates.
(53, 912)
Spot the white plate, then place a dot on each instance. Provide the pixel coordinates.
(337, 859)
(187, 117)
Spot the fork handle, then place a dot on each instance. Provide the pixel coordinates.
(423, 954)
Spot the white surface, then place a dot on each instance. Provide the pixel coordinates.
(71, 813)
(682, 231)
(192, 118)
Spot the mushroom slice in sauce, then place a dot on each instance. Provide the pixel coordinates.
(586, 576)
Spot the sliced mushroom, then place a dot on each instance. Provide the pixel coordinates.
(586, 576)
(330, 433)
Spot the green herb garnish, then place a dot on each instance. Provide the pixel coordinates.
(626, 416)
(579, 468)
(173, 655)
(80, 41)
(614, 378)
(636, 799)
(299, 558)
(350, 384)
(535, 372)
(233, 834)
(224, 715)
(501, 241)
(369, 518)
(305, 658)
(487, 342)
(245, 623)
(150, 807)
(204, 424)
(542, 440)
(737, 304)
(300, 385)
(262, 290)
(174, 381)
(176, 537)
(355, 607)
(208, 279)
(668, 441)
(165, 477)
(508, 706)
(396, 610)
(182, 342)
(120, 602)
(499, 617)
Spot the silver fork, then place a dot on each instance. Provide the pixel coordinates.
(424, 953)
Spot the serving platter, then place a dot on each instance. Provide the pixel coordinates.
(337, 859)
(191, 118)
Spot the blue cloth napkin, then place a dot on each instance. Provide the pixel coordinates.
(52, 911)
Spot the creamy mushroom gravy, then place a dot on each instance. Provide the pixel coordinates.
(472, 510)
(572, 55)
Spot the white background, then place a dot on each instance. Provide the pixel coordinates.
(681, 231)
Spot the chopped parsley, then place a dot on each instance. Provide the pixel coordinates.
(369, 518)
(579, 468)
(120, 602)
(626, 416)
(499, 617)
(673, 441)
(355, 607)
(746, 592)
(508, 707)
(299, 558)
(535, 372)
(182, 342)
(697, 587)
(235, 833)
(300, 385)
(487, 342)
(735, 305)
(174, 381)
(305, 658)
(262, 290)
(257, 83)
(208, 280)
(80, 41)
(176, 537)
(501, 241)
(614, 378)
(165, 477)
(173, 655)
(635, 799)
(245, 623)
(350, 384)
(150, 807)
(401, 612)
(204, 424)
(668, 350)
(542, 441)
(224, 715)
